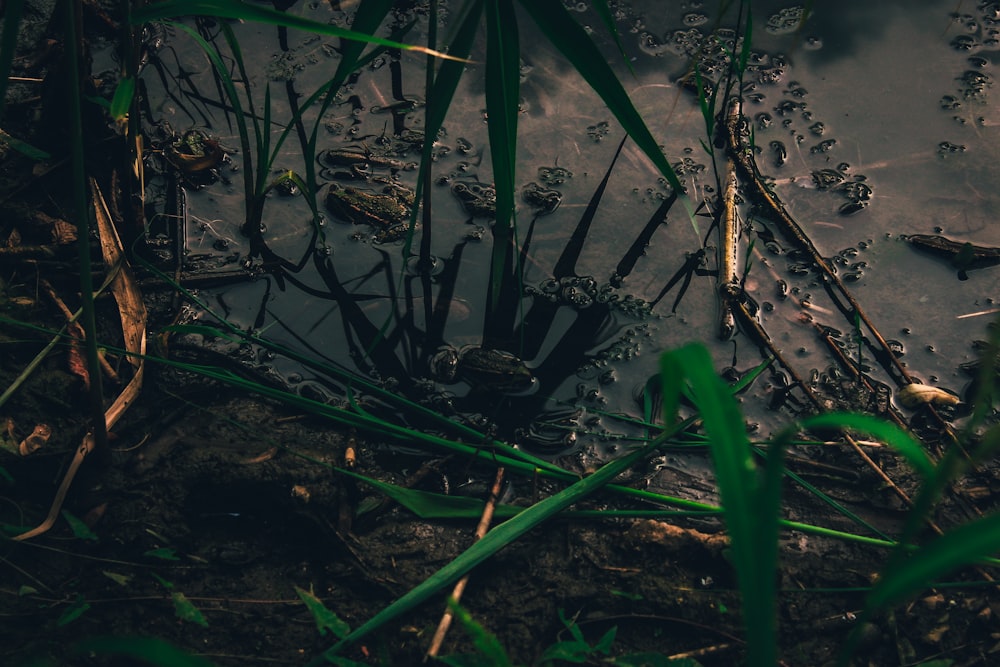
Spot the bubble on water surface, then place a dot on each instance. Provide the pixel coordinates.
(824, 146)
(946, 148)
(554, 175)
(598, 131)
(813, 43)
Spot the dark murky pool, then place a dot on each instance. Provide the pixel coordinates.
(875, 120)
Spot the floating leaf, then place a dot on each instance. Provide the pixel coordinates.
(325, 619)
(163, 553)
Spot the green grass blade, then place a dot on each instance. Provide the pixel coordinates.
(122, 100)
(234, 100)
(236, 9)
(896, 437)
(572, 40)
(603, 10)
(492, 542)
(964, 545)
(503, 82)
(489, 651)
(750, 509)
(441, 93)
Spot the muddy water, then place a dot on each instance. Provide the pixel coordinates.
(875, 120)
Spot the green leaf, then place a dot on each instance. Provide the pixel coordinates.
(503, 81)
(156, 652)
(80, 529)
(120, 579)
(603, 644)
(163, 553)
(325, 619)
(964, 545)
(77, 609)
(747, 41)
(122, 101)
(26, 149)
(187, 611)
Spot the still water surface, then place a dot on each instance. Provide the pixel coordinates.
(875, 120)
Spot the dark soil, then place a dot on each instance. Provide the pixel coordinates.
(232, 505)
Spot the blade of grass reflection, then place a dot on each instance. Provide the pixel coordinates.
(641, 242)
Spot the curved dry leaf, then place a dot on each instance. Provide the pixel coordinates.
(915, 394)
(36, 440)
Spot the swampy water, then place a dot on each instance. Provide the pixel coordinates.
(874, 120)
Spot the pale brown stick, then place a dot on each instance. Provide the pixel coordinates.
(456, 593)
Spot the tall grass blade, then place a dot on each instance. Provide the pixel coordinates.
(603, 10)
(896, 437)
(572, 40)
(503, 83)
(234, 99)
(749, 505)
(967, 544)
(236, 9)
(442, 92)
(81, 212)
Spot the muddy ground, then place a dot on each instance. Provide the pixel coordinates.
(226, 500)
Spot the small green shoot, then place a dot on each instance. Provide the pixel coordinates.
(750, 499)
(577, 650)
(489, 651)
(163, 553)
(80, 530)
(325, 619)
(186, 611)
(77, 608)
